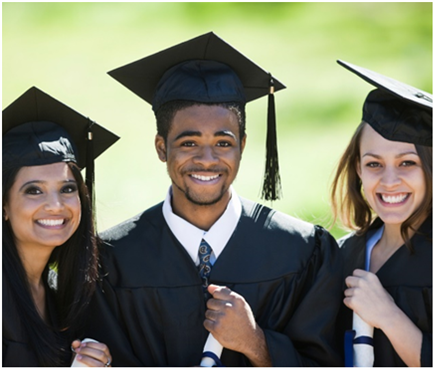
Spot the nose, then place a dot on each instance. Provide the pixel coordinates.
(390, 177)
(54, 202)
(206, 156)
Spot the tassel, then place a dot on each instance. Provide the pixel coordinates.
(90, 171)
(272, 180)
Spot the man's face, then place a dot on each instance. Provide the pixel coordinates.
(203, 152)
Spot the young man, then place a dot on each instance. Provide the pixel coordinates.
(266, 285)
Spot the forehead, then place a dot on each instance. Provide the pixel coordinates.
(205, 118)
(372, 141)
(50, 172)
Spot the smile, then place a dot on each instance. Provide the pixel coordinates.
(47, 222)
(394, 199)
(205, 178)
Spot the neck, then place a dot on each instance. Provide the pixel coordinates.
(201, 216)
(392, 238)
(34, 260)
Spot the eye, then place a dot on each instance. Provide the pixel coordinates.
(70, 188)
(373, 164)
(224, 144)
(188, 144)
(408, 163)
(33, 190)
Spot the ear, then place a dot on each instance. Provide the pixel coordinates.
(242, 144)
(358, 168)
(5, 215)
(160, 145)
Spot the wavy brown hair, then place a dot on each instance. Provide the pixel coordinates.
(347, 199)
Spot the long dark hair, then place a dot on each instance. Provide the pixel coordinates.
(347, 199)
(75, 264)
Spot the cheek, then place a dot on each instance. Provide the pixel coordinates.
(75, 207)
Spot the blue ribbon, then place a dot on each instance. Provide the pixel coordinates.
(363, 340)
(213, 356)
(348, 347)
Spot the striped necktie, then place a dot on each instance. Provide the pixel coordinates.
(204, 253)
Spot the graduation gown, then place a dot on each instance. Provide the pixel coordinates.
(407, 278)
(17, 351)
(150, 309)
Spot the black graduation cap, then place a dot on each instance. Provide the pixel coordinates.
(206, 69)
(39, 130)
(397, 111)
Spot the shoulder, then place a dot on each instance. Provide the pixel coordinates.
(285, 228)
(145, 221)
(273, 219)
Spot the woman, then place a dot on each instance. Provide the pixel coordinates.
(383, 190)
(49, 246)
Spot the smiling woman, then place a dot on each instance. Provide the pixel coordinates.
(383, 190)
(49, 249)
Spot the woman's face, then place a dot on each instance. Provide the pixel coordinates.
(43, 206)
(392, 176)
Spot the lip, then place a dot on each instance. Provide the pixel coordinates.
(205, 178)
(393, 200)
(52, 223)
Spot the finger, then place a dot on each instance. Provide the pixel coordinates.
(92, 361)
(349, 292)
(209, 325)
(97, 346)
(351, 281)
(75, 344)
(213, 315)
(347, 301)
(359, 273)
(89, 353)
(217, 304)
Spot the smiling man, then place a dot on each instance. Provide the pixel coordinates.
(266, 285)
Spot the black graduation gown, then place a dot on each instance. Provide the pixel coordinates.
(408, 278)
(150, 310)
(17, 351)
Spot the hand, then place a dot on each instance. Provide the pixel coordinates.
(231, 321)
(92, 354)
(368, 298)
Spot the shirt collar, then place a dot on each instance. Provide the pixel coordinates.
(190, 236)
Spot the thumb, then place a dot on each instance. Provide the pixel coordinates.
(212, 288)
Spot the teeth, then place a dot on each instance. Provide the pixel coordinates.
(393, 198)
(51, 222)
(204, 178)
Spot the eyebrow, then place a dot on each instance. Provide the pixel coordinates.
(199, 134)
(400, 155)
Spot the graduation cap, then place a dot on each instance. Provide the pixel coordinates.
(397, 111)
(40, 130)
(206, 69)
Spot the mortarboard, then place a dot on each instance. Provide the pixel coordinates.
(206, 69)
(38, 130)
(397, 111)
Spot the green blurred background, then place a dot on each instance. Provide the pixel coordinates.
(66, 49)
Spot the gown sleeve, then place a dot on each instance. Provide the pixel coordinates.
(309, 338)
(105, 325)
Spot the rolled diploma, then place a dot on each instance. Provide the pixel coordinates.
(363, 355)
(211, 345)
(77, 363)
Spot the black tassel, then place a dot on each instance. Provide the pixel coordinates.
(90, 171)
(272, 180)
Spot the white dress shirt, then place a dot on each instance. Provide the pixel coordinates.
(190, 236)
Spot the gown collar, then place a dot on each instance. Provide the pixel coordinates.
(190, 236)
